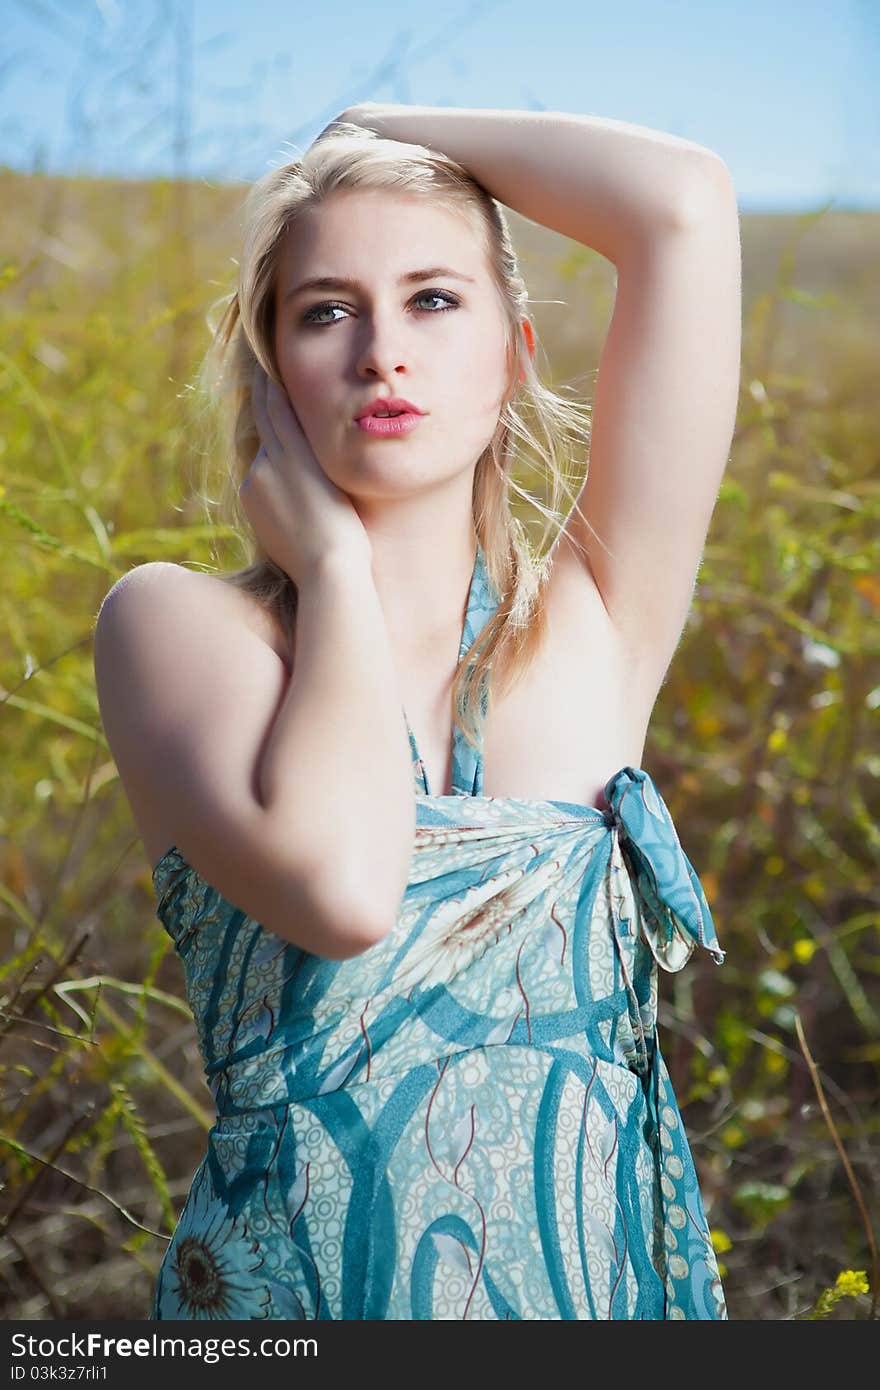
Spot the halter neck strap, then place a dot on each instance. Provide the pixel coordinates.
(467, 762)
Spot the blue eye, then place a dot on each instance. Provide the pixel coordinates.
(451, 302)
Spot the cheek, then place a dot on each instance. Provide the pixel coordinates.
(473, 369)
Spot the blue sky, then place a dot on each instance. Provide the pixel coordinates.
(786, 91)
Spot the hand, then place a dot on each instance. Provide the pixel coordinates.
(298, 515)
(349, 114)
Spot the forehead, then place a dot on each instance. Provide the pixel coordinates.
(354, 230)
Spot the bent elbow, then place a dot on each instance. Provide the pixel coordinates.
(360, 929)
(356, 921)
(706, 186)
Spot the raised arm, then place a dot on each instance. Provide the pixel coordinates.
(607, 184)
(663, 211)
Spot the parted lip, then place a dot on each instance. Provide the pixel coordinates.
(383, 403)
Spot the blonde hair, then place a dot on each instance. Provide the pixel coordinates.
(347, 156)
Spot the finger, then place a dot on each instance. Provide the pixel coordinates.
(247, 477)
(282, 415)
(258, 456)
(278, 406)
(262, 419)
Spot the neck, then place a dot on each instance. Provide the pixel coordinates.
(423, 560)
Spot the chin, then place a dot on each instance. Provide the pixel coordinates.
(391, 475)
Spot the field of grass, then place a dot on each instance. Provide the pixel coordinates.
(763, 742)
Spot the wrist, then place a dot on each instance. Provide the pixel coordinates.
(340, 563)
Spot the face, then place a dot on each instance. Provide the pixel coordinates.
(437, 342)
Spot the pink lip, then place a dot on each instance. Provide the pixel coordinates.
(388, 403)
(392, 425)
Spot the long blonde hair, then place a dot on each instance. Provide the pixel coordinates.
(348, 156)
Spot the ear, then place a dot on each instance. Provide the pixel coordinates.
(529, 334)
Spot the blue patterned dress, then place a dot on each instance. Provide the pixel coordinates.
(471, 1119)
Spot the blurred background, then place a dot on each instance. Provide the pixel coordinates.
(128, 136)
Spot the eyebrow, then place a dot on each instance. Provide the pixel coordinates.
(334, 282)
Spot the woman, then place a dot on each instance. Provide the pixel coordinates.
(429, 1021)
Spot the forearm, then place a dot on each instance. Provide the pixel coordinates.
(605, 183)
(336, 771)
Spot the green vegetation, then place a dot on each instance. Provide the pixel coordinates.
(763, 743)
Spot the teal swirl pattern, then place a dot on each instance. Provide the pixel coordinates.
(473, 1118)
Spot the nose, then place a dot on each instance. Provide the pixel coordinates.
(379, 347)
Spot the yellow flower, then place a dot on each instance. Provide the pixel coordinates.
(803, 950)
(852, 1282)
(707, 725)
(774, 1063)
(720, 1242)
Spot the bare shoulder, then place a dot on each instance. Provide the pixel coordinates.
(189, 679)
(161, 580)
(165, 580)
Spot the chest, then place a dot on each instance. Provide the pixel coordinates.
(579, 712)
